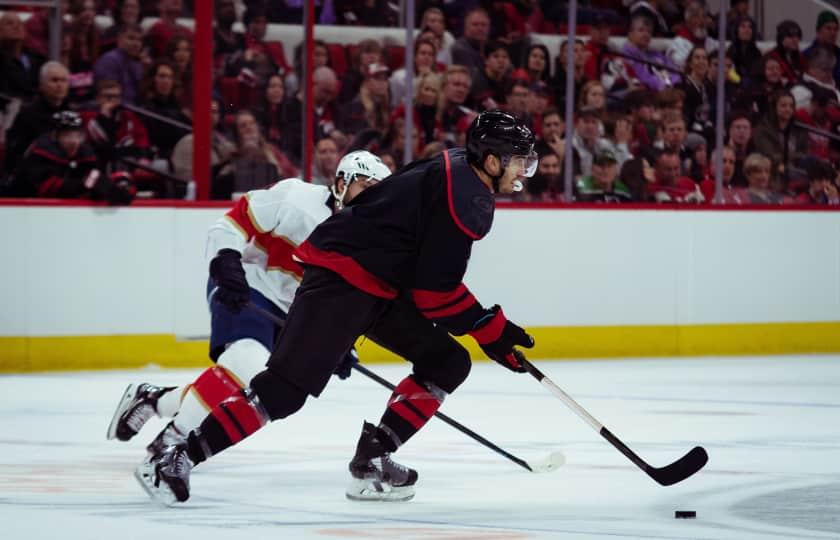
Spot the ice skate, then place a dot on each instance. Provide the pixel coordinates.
(376, 477)
(136, 407)
(169, 436)
(166, 476)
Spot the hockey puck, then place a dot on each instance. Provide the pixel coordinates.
(685, 514)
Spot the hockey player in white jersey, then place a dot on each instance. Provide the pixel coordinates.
(250, 254)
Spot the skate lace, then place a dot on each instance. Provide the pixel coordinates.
(139, 416)
(180, 463)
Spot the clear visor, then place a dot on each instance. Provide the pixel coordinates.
(524, 165)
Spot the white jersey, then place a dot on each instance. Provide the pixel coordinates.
(266, 226)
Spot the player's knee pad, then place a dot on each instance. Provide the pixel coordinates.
(279, 397)
(244, 358)
(449, 371)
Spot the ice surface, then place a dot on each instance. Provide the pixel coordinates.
(771, 427)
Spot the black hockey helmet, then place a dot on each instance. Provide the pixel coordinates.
(67, 121)
(499, 133)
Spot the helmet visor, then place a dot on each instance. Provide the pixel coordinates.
(525, 165)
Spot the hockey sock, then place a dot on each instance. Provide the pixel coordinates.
(411, 405)
(212, 387)
(229, 422)
(168, 404)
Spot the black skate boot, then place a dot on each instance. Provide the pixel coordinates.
(136, 406)
(376, 477)
(166, 476)
(170, 435)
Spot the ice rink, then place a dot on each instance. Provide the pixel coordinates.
(771, 427)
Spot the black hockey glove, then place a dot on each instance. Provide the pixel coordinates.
(345, 367)
(497, 337)
(232, 287)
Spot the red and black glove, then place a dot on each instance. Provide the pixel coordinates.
(497, 337)
(226, 270)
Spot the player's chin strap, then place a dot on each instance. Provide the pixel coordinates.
(339, 195)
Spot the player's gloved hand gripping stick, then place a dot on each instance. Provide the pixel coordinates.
(232, 287)
(668, 475)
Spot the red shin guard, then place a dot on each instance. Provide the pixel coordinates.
(413, 402)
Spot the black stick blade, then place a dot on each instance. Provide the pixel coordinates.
(680, 469)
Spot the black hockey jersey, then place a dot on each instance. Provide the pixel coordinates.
(412, 233)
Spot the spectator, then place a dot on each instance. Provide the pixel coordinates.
(259, 60)
(650, 10)
(180, 53)
(674, 135)
(166, 28)
(791, 61)
(368, 52)
(819, 112)
(538, 101)
(160, 93)
(739, 9)
(517, 102)
(641, 106)
(559, 82)
(827, 28)
(124, 13)
(740, 140)
(698, 151)
(451, 109)
(757, 169)
(255, 162)
(746, 56)
(598, 47)
(325, 162)
(588, 142)
(777, 138)
(320, 57)
(731, 194)
(618, 133)
(427, 94)
(325, 114)
(547, 183)
(368, 13)
(818, 76)
(371, 108)
(115, 132)
(691, 35)
(822, 189)
(731, 84)
(37, 117)
(424, 62)
(122, 64)
(638, 175)
(553, 133)
(18, 65)
(83, 36)
(37, 30)
(468, 50)
(649, 68)
(697, 87)
(537, 63)
(270, 112)
(603, 185)
(668, 100)
(226, 40)
(669, 185)
(756, 95)
(222, 148)
(61, 164)
(593, 95)
(434, 21)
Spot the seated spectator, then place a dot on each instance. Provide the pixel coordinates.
(739, 9)
(777, 138)
(653, 11)
(731, 194)
(537, 64)
(820, 112)
(324, 162)
(393, 141)
(371, 108)
(83, 36)
(739, 138)
(552, 139)
(559, 81)
(468, 50)
(588, 142)
(646, 67)
(640, 104)
(691, 35)
(517, 101)
(37, 117)
(325, 113)
(597, 47)
(732, 84)
(547, 183)
(746, 56)
(222, 148)
(603, 185)
(538, 101)
(255, 162)
(639, 176)
(61, 164)
(673, 139)
(270, 111)
(822, 189)
(618, 133)
(668, 100)
(791, 61)
(368, 52)
(226, 40)
(37, 30)
(819, 63)
(122, 64)
(434, 21)
(426, 97)
(451, 107)
(424, 62)
(698, 151)
(160, 93)
(18, 65)
(166, 28)
(179, 52)
(593, 96)
(115, 132)
(320, 57)
(491, 84)
(670, 186)
(260, 59)
(826, 38)
(754, 96)
(697, 88)
(124, 13)
(757, 169)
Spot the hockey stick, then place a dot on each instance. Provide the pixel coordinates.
(547, 464)
(668, 475)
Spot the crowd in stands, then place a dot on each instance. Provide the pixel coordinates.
(111, 119)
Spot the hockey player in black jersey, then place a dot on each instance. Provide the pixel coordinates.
(389, 266)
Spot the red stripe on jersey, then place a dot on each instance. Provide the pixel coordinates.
(347, 268)
(424, 299)
(50, 186)
(491, 331)
(456, 308)
(279, 250)
(241, 216)
(452, 212)
(215, 385)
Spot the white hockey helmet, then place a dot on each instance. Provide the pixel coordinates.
(354, 164)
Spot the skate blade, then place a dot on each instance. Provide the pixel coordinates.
(367, 490)
(162, 495)
(125, 400)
